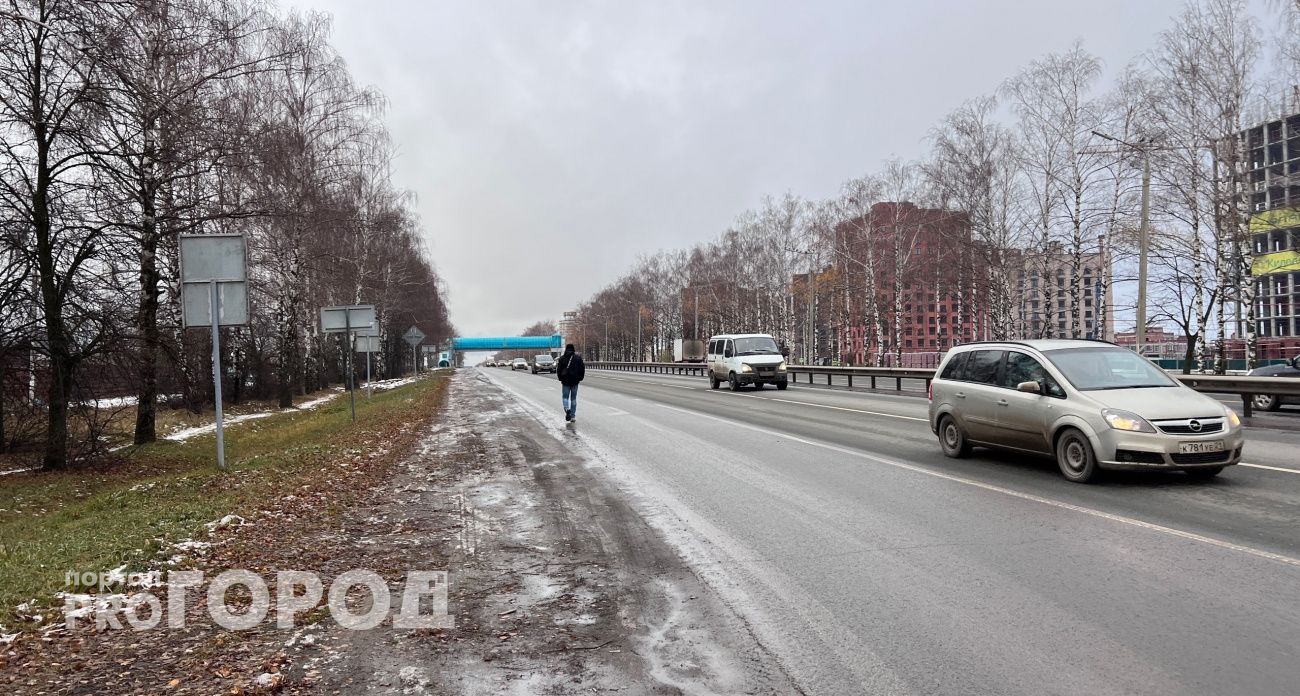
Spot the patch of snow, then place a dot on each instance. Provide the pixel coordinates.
(17, 471)
(315, 403)
(7, 638)
(187, 433)
(386, 384)
(227, 521)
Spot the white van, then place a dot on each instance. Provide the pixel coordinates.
(740, 359)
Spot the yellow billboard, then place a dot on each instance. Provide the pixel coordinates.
(1276, 262)
(1278, 219)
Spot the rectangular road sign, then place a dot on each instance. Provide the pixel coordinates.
(196, 304)
(219, 257)
(366, 344)
(341, 318)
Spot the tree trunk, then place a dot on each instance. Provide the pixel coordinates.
(150, 341)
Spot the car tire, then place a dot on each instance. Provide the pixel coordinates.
(952, 440)
(782, 386)
(1075, 457)
(1204, 473)
(732, 383)
(1266, 402)
(713, 382)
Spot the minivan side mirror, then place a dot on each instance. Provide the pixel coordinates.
(1029, 387)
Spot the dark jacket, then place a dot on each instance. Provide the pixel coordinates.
(570, 369)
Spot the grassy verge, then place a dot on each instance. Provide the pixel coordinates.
(52, 523)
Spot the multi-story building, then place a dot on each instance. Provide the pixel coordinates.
(1272, 181)
(1051, 291)
(924, 274)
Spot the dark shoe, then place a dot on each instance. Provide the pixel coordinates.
(567, 417)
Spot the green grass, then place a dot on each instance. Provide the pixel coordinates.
(95, 520)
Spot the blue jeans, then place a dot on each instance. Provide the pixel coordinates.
(569, 397)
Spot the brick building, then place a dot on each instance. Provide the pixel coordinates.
(938, 298)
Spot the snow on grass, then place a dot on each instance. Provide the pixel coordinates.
(386, 384)
(17, 471)
(187, 433)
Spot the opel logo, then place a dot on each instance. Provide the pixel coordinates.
(1194, 425)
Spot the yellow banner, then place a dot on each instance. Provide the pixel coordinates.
(1279, 219)
(1276, 262)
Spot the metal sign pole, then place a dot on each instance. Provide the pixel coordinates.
(347, 339)
(370, 388)
(415, 361)
(215, 304)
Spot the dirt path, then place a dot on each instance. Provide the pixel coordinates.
(556, 585)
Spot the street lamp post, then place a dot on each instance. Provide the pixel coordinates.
(1144, 235)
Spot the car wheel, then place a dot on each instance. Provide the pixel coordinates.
(1205, 473)
(952, 439)
(732, 383)
(1075, 457)
(1266, 402)
(782, 386)
(713, 382)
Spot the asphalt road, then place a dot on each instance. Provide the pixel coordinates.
(866, 562)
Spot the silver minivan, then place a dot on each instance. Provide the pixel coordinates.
(741, 359)
(1091, 405)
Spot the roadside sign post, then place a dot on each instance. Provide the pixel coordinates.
(214, 293)
(344, 319)
(368, 343)
(414, 337)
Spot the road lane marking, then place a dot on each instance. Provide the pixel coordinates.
(842, 408)
(1270, 468)
(1060, 504)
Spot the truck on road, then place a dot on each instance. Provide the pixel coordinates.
(688, 350)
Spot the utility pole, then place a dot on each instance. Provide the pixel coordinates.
(1144, 148)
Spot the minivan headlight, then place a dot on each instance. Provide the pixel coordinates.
(781, 367)
(1124, 420)
(746, 367)
(1233, 420)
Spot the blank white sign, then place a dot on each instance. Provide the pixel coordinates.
(367, 344)
(335, 319)
(196, 304)
(207, 257)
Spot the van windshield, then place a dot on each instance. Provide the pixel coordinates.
(1108, 368)
(757, 345)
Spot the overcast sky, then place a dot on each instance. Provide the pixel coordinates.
(551, 143)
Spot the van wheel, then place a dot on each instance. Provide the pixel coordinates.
(1266, 402)
(732, 383)
(1204, 473)
(1075, 457)
(782, 386)
(713, 382)
(952, 439)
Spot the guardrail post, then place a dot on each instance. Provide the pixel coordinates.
(828, 379)
(898, 384)
(1246, 405)
(873, 381)
(850, 381)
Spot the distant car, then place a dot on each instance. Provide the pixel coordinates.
(519, 364)
(490, 363)
(1091, 405)
(543, 363)
(1272, 402)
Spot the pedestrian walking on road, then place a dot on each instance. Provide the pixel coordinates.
(570, 370)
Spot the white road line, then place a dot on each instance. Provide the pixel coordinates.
(842, 408)
(1270, 468)
(1191, 536)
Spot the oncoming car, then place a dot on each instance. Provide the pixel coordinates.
(1091, 405)
(519, 364)
(741, 359)
(543, 363)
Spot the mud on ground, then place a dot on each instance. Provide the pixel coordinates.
(556, 585)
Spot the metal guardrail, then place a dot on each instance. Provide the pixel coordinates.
(1241, 385)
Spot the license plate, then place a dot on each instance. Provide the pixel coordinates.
(1200, 447)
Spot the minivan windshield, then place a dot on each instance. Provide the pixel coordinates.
(1090, 369)
(757, 345)
(543, 359)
